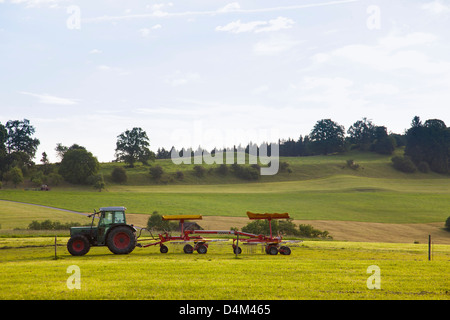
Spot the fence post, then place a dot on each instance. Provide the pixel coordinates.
(55, 248)
(429, 247)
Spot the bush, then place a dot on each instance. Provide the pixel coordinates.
(260, 227)
(287, 227)
(222, 169)
(156, 172)
(179, 175)
(119, 175)
(403, 164)
(352, 164)
(447, 224)
(199, 171)
(54, 179)
(51, 225)
(284, 166)
(308, 231)
(423, 167)
(155, 222)
(247, 173)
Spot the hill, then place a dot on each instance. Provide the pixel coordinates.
(318, 188)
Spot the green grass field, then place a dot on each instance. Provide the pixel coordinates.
(344, 198)
(315, 270)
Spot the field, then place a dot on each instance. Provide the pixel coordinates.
(376, 215)
(315, 270)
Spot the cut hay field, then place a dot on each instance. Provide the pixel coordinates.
(315, 270)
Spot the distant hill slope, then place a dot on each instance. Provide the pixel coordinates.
(368, 164)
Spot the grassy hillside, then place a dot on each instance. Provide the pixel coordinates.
(314, 188)
(299, 168)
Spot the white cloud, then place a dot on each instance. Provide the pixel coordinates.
(180, 79)
(391, 53)
(39, 3)
(257, 26)
(49, 99)
(234, 6)
(397, 41)
(274, 45)
(145, 32)
(436, 7)
(95, 51)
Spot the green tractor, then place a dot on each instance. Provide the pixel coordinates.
(112, 231)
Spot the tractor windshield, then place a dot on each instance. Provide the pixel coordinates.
(119, 217)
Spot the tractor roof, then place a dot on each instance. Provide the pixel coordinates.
(113, 209)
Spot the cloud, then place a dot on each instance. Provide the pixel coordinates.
(257, 26)
(180, 79)
(234, 6)
(39, 3)
(274, 45)
(95, 51)
(436, 7)
(391, 53)
(231, 8)
(49, 99)
(145, 32)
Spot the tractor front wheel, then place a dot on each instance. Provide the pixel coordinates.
(78, 245)
(121, 240)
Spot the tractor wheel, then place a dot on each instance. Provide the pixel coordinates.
(78, 245)
(202, 249)
(163, 249)
(237, 250)
(272, 250)
(188, 249)
(285, 250)
(121, 240)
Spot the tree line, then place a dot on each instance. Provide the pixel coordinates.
(427, 148)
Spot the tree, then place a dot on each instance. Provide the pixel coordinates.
(132, 146)
(362, 133)
(383, 144)
(78, 165)
(327, 137)
(20, 139)
(429, 142)
(15, 175)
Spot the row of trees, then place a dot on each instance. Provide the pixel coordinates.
(427, 145)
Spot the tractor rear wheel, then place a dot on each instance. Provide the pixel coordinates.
(121, 240)
(78, 245)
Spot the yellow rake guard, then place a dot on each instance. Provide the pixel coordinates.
(267, 215)
(183, 217)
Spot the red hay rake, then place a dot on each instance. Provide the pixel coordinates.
(193, 241)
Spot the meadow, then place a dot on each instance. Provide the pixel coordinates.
(315, 270)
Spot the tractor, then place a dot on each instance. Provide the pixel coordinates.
(112, 231)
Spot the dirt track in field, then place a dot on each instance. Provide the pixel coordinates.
(339, 230)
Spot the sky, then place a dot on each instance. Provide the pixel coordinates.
(218, 73)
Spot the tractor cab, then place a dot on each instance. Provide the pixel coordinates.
(112, 230)
(110, 216)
